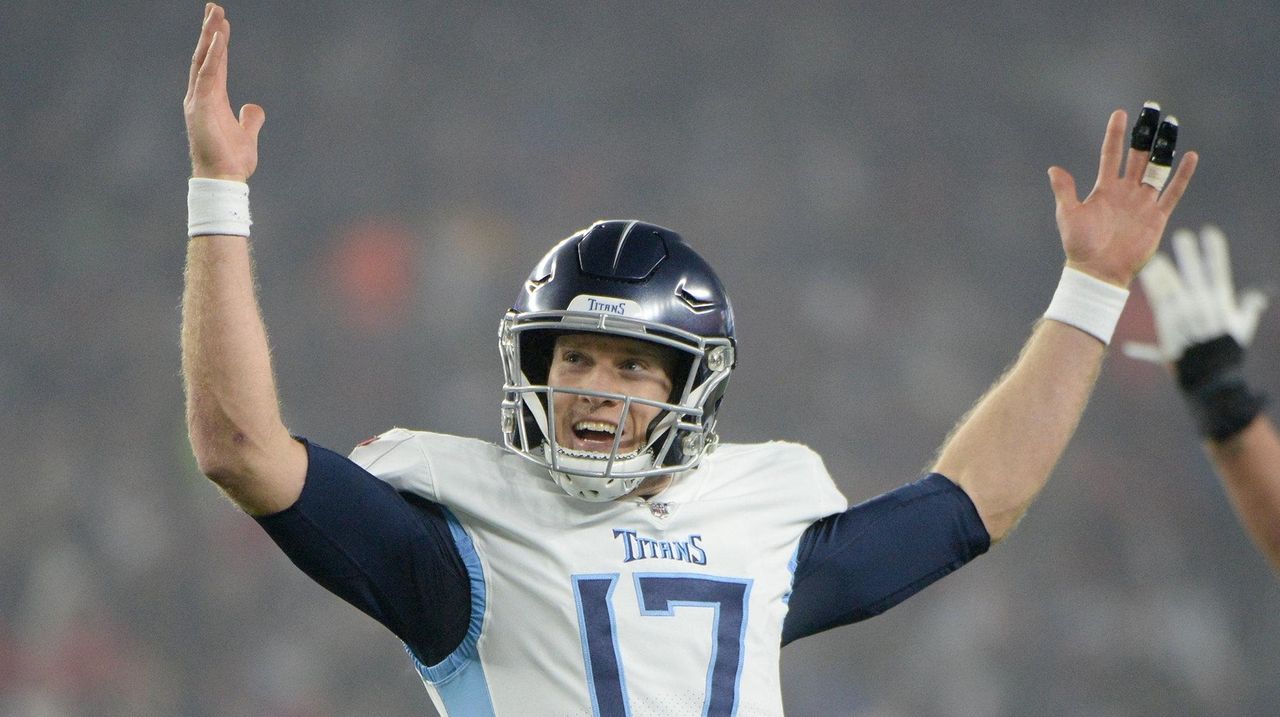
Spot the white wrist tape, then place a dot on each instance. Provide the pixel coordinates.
(217, 206)
(1089, 304)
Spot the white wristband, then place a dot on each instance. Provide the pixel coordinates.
(1089, 304)
(217, 206)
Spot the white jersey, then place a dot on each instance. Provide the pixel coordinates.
(663, 608)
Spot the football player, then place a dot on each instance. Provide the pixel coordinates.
(1202, 329)
(613, 557)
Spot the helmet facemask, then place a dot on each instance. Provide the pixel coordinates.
(676, 438)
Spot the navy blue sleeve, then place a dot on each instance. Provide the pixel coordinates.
(854, 565)
(389, 554)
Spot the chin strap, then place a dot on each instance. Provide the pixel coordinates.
(595, 488)
(535, 407)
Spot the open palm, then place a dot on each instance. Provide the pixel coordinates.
(1117, 228)
(222, 145)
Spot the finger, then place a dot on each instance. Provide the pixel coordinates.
(1064, 188)
(1141, 138)
(1144, 128)
(202, 46)
(1164, 292)
(1156, 173)
(1168, 300)
(1160, 282)
(1143, 352)
(1112, 146)
(252, 118)
(1176, 186)
(212, 75)
(1189, 263)
(1217, 261)
(1252, 304)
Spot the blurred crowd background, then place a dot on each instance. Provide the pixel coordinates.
(869, 180)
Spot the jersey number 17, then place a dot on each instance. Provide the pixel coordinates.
(659, 594)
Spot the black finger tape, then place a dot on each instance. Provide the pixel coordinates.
(1166, 138)
(1144, 130)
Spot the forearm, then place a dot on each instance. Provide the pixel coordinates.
(1004, 450)
(233, 416)
(1249, 465)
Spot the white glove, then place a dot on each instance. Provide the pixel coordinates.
(1199, 304)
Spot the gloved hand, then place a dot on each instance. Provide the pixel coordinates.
(1202, 328)
(1198, 304)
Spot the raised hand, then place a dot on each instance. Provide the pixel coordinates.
(1117, 228)
(222, 145)
(1196, 301)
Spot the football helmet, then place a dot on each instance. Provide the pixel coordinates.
(634, 280)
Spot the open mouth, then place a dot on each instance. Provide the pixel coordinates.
(595, 436)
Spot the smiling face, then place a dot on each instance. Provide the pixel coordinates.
(608, 364)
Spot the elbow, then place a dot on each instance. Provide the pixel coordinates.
(229, 446)
(259, 465)
(224, 451)
(214, 438)
(260, 476)
(221, 459)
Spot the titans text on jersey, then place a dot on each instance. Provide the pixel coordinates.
(639, 547)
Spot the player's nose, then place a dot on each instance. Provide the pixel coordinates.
(597, 402)
(603, 380)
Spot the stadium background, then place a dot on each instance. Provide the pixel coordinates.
(869, 181)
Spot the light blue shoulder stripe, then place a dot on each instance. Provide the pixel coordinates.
(792, 564)
(460, 677)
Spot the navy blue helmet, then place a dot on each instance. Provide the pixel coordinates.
(633, 280)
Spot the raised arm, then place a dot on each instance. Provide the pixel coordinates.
(1249, 465)
(1203, 329)
(233, 416)
(1005, 448)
